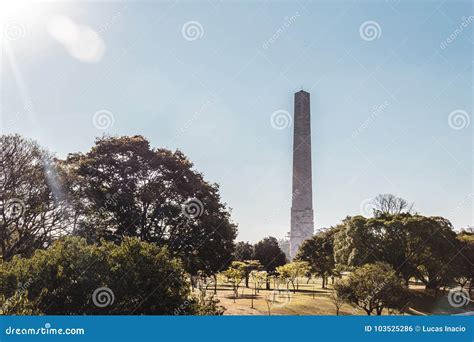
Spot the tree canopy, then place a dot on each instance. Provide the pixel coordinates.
(243, 251)
(33, 208)
(268, 252)
(318, 251)
(126, 188)
(414, 245)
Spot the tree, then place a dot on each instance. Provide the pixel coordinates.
(465, 260)
(354, 243)
(243, 251)
(337, 301)
(318, 251)
(126, 188)
(292, 271)
(249, 266)
(414, 245)
(33, 206)
(373, 287)
(234, 275)
(72, 277)
(388, 204)
(258, 278)
(431, 247)
(268, 252)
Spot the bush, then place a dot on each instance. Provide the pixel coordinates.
(72, 277)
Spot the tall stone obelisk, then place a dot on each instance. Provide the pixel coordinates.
(302, 225)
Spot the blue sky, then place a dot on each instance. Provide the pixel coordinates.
(381, 99)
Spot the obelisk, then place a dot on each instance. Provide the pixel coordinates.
(302, 225)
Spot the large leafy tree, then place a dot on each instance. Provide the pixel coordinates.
(270, 255)
(465, 260)
(33, 204)
(243, 251)
(125, 188)
(318, 251)
(372, 287)
(432, 248)
(355, 243)
(414, 245)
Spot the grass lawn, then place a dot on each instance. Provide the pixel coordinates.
(311, 299)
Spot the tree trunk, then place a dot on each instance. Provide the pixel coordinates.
(215, 284)
(246, 280)
(407, 282)
(267, 284)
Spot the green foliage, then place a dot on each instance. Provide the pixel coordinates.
(414, 245)
(465, 260)
(292, 271)
(268, 252)
(243, 251)
(372, 287)
(234, 275)
(18, 304)
(207, 306)
(202, 304)
(318, 251)
(258, 278)
(143, 277)
(355, 242)
(123, 187)
(249, 266)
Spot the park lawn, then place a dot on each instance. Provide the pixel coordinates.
(311, 299)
